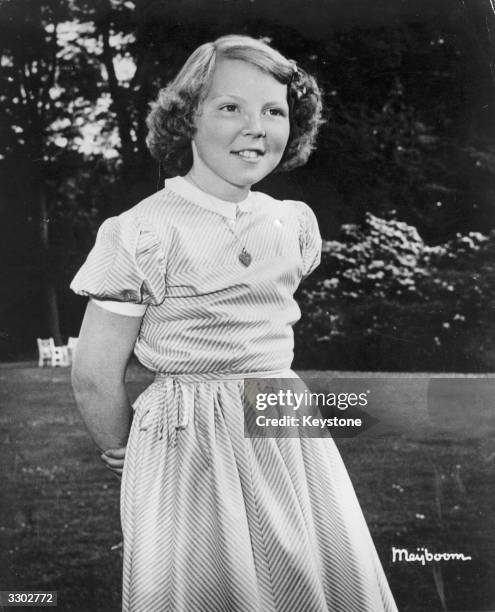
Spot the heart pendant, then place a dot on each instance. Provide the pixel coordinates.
(244, 258)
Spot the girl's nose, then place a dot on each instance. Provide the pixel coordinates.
(254, 128)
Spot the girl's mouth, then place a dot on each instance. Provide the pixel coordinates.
(249, 154)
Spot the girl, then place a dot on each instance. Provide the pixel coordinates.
(199, 279)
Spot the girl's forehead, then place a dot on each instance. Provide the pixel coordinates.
(238, 77)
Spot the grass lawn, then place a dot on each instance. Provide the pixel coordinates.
(424, 476)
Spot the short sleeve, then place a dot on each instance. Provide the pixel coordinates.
(124, 308)
(309, 238)
(126, 264)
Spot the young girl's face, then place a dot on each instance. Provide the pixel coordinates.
(242, 129)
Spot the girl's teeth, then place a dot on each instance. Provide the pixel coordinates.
(249, 154)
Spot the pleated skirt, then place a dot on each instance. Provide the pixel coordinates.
(216, 522)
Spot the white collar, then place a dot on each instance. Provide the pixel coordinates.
(194, 194)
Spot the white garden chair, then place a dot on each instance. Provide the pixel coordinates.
(60, 356)
(45, 346)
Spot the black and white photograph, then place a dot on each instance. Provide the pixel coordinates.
(247, 317)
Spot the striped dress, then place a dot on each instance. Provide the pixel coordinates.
(214, 521)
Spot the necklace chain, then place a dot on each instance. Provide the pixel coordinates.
(244, 256)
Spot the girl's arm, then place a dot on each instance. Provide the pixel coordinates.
(106, 342)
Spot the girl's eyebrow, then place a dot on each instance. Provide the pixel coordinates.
(227, 95)
(276, 103)
(269, 103)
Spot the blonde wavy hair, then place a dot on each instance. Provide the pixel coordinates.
(170, 122)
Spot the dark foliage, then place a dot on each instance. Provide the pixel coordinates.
(410, 99)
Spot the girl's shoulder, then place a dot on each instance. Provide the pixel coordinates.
(159, 214)
(297, 209)
(153, 209)
(302, 220)
(275, 202)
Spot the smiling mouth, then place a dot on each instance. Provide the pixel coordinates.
(249, 154)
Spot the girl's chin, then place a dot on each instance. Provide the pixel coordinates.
(250, 176)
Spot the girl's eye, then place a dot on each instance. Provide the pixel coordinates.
(276, 112)
(230, 108)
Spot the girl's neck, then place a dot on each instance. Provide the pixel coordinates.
(225, 191)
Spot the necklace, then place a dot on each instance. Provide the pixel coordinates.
(244, 256)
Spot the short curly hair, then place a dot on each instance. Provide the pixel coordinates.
(171, 122)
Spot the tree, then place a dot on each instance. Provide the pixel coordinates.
(57, 123)
(406, 133)
(51, 92)
(31, 68)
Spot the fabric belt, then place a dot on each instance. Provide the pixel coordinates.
(225, 375)
(184, 393)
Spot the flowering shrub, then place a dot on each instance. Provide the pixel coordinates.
(379, 258)
(383, 299)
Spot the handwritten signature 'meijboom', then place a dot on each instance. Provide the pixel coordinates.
(424, 556)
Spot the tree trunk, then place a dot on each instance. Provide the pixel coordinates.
(51, 310)
(49, 291)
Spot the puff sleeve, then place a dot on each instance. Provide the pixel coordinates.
(309, 238)
(126, 264)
